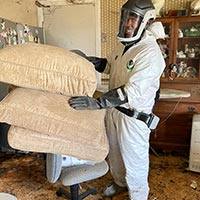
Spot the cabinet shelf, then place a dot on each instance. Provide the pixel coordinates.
(191, 37)
(181, 80)
(187, 58)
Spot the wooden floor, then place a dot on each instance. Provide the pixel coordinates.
(24, 176)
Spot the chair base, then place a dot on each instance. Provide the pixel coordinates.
(74, 193)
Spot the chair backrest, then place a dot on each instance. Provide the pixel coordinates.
(6, 196)
(53, 167)
(72, 174)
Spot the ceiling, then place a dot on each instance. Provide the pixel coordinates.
(62, 2)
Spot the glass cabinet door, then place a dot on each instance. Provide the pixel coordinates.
(188, 49)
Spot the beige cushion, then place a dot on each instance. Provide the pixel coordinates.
(47, 68)
(54, 127)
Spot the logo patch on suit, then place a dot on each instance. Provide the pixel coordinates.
(130, 65)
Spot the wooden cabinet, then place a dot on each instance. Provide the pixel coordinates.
(181, 50)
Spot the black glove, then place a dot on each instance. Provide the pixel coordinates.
(110, 99)
(99, 63)
(80, 53)
(84, 103)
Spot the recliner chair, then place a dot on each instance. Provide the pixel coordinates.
(72, 176)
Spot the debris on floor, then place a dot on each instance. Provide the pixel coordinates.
(24, 176)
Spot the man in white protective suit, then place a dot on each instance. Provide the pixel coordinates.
(135, 68)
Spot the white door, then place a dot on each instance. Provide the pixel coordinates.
(75, 26)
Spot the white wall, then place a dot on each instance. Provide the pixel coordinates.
(22, 11)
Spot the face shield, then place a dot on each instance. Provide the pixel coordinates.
(129, 24)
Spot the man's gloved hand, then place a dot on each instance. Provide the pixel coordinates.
(84, 103)
(99, 63)
(110, 99)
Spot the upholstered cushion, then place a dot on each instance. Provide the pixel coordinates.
(54, 127)
(47, 68)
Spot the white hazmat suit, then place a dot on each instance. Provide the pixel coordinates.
(135, 71)
(139, 69)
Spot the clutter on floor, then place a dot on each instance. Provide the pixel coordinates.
(24, 177)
